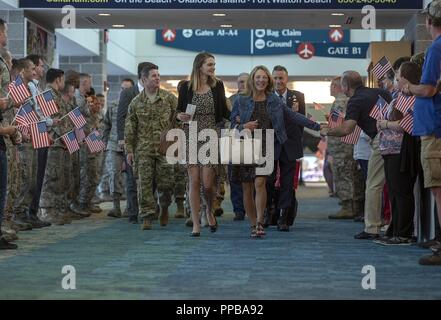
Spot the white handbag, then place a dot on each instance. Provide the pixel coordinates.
(239, 149)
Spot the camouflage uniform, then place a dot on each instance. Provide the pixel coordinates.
(71, 165)
(114, 154)
(145, 121)
(347, 176)
(54, 179)
(88, 162)
(28, 176)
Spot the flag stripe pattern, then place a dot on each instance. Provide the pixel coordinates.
(382, 67)
(26, 114)
(404, 103)
(94, 142)
(18, 90)
(24, 129)
(335, 119)
(70, 140)
(47, 103)
(353, 137)
(40, 135)
(407, 122)
(77, 118)
(377, 111)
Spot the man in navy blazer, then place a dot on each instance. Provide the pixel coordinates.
(285, 200)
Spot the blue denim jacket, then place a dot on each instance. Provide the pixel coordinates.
(244, 107)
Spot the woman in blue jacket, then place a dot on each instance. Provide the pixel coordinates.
(260, 108)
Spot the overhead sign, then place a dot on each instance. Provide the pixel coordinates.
(261, 42)
(169, 35)
(306, 50)
(336, 35)
(225, 4)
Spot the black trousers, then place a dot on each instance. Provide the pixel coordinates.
(41, 170)
(400, 186)
(287, 194)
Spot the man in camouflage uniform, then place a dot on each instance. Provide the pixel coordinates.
(53, 203)
(347, 177)
(114, 159)
(7, 232)
(148, 115)
(89, 161)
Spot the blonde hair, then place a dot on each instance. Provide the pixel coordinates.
(195, 78)
(251, 88)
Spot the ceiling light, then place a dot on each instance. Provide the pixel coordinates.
(118, 25)
(335, 26)
(226, 25)
(338, 14)
(104, 14)
(219, 14)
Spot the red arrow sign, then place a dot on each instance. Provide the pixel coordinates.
(169, 35)
(306, 50)
(336, 35)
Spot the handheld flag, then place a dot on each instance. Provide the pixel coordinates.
(40, 135)
(18, 90)
(382, 67)
(71, 142)
(47, 103)
(77, 118)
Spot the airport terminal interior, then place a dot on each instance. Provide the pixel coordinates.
(65, 247)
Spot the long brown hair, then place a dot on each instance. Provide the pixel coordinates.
(195, 78)
(251, 88)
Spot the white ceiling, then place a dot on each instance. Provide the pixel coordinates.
(240, 19)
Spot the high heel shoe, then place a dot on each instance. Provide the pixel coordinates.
(214, 228)
(195, 234)
(260, 230)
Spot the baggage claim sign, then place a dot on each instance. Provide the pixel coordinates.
(224, 4)
(260, 42)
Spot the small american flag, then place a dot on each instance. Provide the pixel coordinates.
(70, 140)
(80, 135)
(407, 122)
(40, 135)
(94, 142)
(335, 119)
(18, 90)
(353, 137)
(318, 106)
(377, 111)
(24, 129)
(77, 118)
(47, 103)
(26, 114)
(382, 67)
(404, 103)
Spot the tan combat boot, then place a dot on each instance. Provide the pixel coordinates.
(180, 214)
(345, 211)
(147, 224)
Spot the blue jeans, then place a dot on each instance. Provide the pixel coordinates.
(3, 183)
(132, 192)
(236, 194)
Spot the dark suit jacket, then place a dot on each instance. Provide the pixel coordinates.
(293, 147)
(125, 99)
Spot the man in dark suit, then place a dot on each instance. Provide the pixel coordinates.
(292, 149)
(126, 97)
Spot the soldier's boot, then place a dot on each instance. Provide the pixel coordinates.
(4, 243)
(125, 213)
(78, 209)
(21, 225)
(35, 221)
(116, 211)
(180, 214)
(8, 233)
(358, 209)
(345, 211)
(50, 216)
(163, 217)
(147, 224)
(218, 211)
(94, 208)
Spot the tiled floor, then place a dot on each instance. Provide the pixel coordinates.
(318, 259)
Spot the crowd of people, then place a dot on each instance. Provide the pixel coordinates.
(52, 185)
